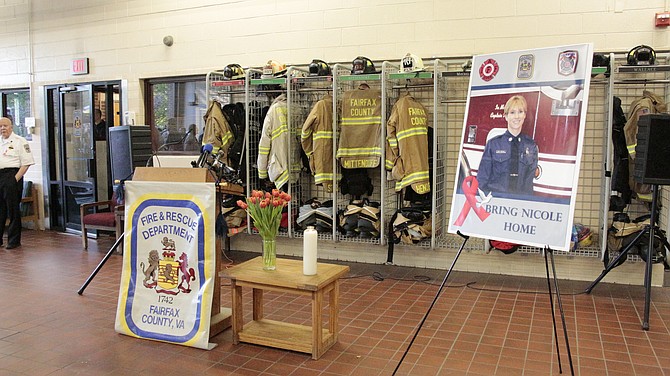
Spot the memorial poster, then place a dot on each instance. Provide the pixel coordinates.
(521, 146)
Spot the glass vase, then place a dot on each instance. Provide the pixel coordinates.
(269, 253)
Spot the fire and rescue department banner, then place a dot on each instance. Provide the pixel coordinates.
(523, 193)
(168, 276)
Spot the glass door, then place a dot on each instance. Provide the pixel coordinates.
(78, 151)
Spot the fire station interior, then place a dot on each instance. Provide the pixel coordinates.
(418, 298)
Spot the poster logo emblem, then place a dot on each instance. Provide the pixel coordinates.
(488, 70)
(167, 275)
(567, 62)
(525, 68)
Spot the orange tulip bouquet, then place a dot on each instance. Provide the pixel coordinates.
(265, 209)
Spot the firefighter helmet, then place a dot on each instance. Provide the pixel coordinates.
(319, 68)
(362, 65)
(233, 72)
(411, 63)
(641, 55)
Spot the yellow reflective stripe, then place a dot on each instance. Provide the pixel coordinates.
(362, 121)
(279, 131)
(358, 151)
(263, 150)
(306, 134)
(321, 135)
(389, 164)
(225, 138)
(281, 179)
(631, 148)
(411, 132)
(413, 177)
(393, 142)
(262, 174)
(318, 178)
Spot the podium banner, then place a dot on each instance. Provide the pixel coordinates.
(521, 146)
(168, 276)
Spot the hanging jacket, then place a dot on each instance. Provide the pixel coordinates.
(407, 145)
(649, 103)
(274, 155)
(317, 142)
(217, 131)
(620, 153)
(360, 129)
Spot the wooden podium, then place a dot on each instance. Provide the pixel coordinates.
(221, 316)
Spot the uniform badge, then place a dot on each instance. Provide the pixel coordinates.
(26, 147)
(525, 67)
(488, 69)
(567, 62)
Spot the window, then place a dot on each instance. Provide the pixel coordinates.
(16, 106)
(175, 108)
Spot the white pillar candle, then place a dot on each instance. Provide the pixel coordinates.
(309, 251)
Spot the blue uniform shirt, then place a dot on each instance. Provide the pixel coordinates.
(496, 173)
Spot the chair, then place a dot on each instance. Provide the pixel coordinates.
(101, 215)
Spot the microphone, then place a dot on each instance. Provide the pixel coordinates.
(205, 152)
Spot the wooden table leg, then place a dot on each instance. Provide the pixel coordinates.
(257, 304)
(317, 324)
(334, 312)
(238, 315)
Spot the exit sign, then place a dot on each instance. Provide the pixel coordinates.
(79, 66)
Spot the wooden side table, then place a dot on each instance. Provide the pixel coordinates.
(288, 278)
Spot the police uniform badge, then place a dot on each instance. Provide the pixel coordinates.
(567, 62)
(525, 67)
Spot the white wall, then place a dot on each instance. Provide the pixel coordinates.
(123, 38)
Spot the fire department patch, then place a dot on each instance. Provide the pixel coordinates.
(567, 62)
(488, 69)
(525, 68)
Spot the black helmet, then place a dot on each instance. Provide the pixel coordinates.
(602, 60)
(641, 55)
(233, 72)
(319, 68)
(362, 65)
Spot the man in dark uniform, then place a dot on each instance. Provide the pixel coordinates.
(15, 158)
(100, 128)
(509, 161)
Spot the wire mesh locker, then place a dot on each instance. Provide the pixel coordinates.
(228, 92)
(628, 84)
(344, 84)
(422, 87)
(259, 94)
(454, 88)
(311, 198)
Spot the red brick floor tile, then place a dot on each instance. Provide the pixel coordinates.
(46, 328)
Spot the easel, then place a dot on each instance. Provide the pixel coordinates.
(650, 230)
(547, 250)
(220, 316)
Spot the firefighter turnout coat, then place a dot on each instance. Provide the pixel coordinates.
(317, 142)
(360, 128)
(649, 103)
(407, 145)
(217, 131)
(274, 155)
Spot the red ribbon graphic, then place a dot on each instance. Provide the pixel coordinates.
(470, 186)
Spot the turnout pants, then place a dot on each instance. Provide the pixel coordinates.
(10, 199)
